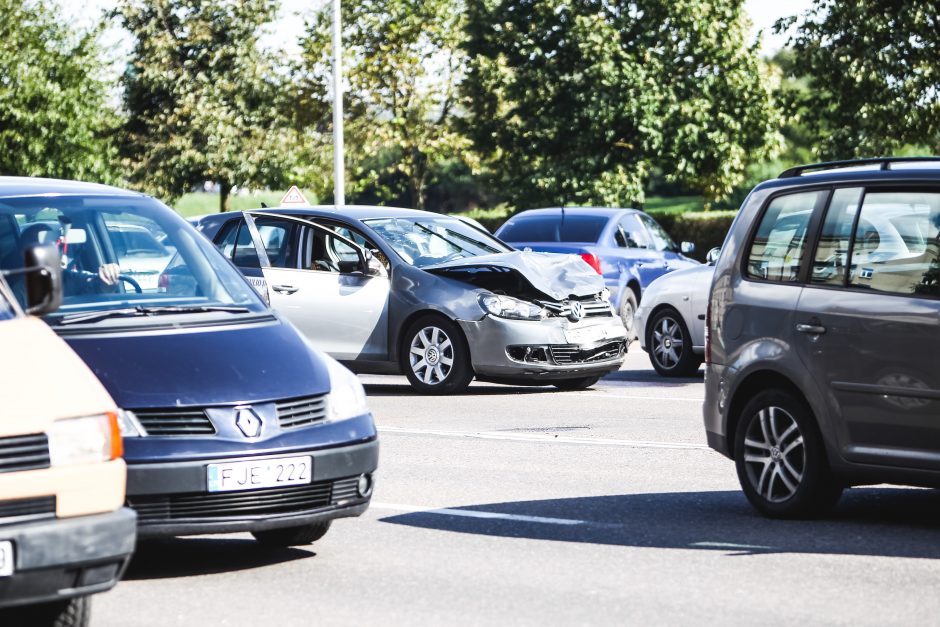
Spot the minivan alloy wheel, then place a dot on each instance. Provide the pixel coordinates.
(774, 454)
(431, 355)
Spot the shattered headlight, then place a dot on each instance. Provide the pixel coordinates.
(509, 307)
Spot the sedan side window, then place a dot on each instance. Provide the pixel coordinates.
(245, 255)
(776, 252)
(630, 233)
(896, 247)
(323, 252)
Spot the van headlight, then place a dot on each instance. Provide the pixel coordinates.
(85, 440)
(347, 398)
(509, 307)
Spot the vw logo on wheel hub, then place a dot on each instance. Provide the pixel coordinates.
(432, 355)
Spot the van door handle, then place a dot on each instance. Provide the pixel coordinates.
(285, 289)
(812, 329)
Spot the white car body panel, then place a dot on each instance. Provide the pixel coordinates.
(686, 291)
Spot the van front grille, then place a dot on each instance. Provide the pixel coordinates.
(174, 421)
(27, 510)
(299, 412)
(24, 452)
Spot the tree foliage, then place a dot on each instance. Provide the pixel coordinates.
(402, 64)
(55, 119)
(874, 77)
(204, 101)
(577, 99)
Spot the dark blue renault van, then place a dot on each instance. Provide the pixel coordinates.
(231, 420)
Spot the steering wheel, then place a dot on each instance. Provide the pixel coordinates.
(325, 265)
(131, 282)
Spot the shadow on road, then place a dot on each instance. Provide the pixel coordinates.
(652, 377)
(868, 521)
(189, 557)
(475, 389)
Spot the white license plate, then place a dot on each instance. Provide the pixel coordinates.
(6, 558)
(589, 335)
(264, 473)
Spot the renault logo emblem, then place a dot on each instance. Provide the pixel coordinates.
(576, 310)
(248, 421)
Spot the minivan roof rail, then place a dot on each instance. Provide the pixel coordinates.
(833, 165)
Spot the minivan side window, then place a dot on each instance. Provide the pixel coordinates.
(896, 248)
(776, 253)
(832, 251)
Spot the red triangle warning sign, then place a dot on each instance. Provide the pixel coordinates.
(294, 197)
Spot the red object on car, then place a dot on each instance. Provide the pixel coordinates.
(592, 260)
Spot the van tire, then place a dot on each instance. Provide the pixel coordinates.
(781, 459)
(292, 536)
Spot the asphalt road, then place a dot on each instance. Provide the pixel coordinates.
(535, 507)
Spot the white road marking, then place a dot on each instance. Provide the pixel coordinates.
(544, 437)
(473, 513)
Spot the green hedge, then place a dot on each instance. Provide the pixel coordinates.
(706, 229)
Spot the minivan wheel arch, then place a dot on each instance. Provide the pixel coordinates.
(748, 388)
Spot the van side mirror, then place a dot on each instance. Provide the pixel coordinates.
(712, 257)
(687, 248)
(43, 279)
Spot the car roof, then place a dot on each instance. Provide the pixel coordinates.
(16, 186)
(860, 175)
(356, 212)
(608, 212)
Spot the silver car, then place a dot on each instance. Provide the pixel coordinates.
(401, 291)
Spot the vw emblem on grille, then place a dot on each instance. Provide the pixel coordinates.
(248, 421)
(576, 310)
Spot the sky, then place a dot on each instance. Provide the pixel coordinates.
(287, 30)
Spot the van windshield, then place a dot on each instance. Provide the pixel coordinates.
(121, 256)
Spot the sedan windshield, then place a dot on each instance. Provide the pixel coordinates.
(427, 241)
(122, 256)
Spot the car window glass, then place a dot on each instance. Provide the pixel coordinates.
(6, 308)
(323, 252)
(560, 227)
(363, 242)
(276, 238)
(226, 238)
(245, 255)
(422, 241)
(777, 249)
(896, 247)
(660, 240)
(630, 233)
(832, 251)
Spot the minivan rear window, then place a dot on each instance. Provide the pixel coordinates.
(776, 253)
(554, 228)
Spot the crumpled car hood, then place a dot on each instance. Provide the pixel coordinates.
(556, 276)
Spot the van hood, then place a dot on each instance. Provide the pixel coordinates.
(525, 274)
(222, 365)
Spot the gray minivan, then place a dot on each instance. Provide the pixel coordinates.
(823, 334)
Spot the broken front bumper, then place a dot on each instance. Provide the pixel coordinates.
(548, 349)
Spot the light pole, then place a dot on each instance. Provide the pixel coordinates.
(339, 169)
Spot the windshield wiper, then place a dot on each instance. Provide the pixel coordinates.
(96, 316)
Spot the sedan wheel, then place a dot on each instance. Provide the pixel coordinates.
(780, 458)
(436, 359)
(670, 346)
(627, 313)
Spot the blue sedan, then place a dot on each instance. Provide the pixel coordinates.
(626, 246)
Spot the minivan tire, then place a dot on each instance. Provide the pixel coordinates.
(687, 362)
(292, 536)
(781, 459)
(74, 612)
(426, 329)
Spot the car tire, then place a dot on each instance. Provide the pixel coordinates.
(628, 304)
(435, 356)
(581, 383)
(670, 345)
(292, 536)
(781, 459)
(74, 612)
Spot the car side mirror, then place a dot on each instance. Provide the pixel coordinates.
(43, 279)
(687, 248)
(374, 267)
(712, 257)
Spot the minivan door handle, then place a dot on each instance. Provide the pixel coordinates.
(812, 329)
(285, 289)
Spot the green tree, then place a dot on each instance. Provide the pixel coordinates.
(576, 100)
(204, 101)
(402, 66)
(874, 77)
(55, 118)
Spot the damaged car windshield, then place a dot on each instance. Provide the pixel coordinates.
(425, 242)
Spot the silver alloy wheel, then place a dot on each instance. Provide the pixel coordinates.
(774, 455)
(431, 355)
(667, 343)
